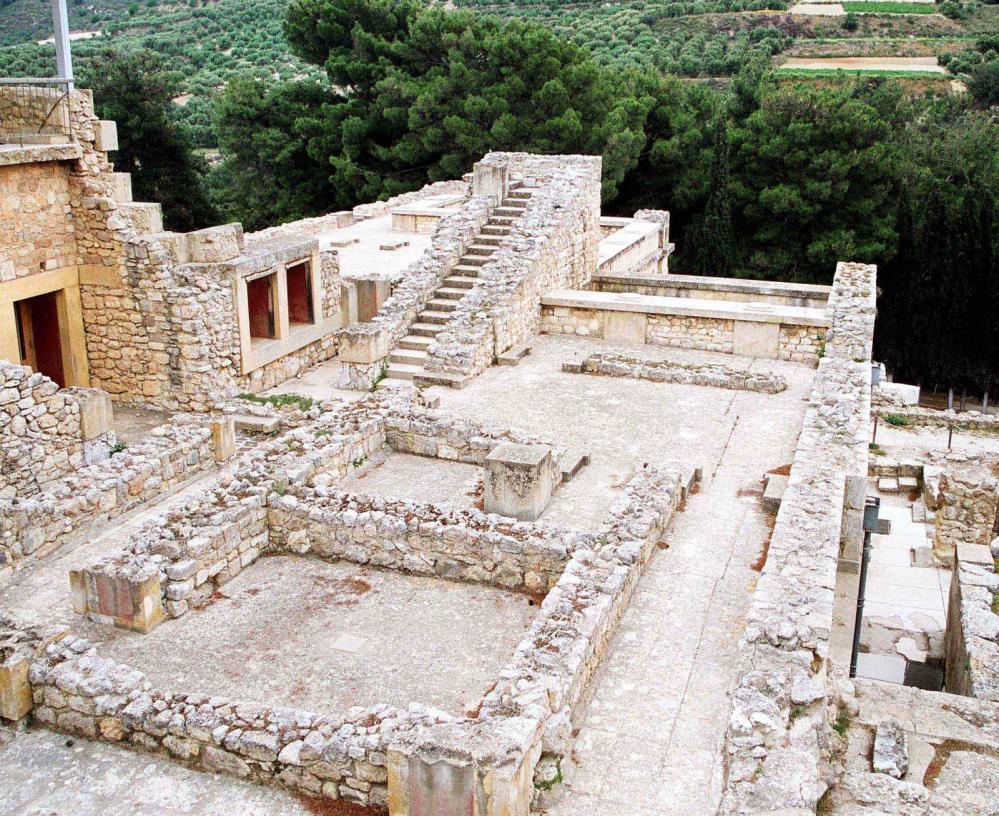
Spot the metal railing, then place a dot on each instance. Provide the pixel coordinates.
(35, 111)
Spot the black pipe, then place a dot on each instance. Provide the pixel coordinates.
(859, 620)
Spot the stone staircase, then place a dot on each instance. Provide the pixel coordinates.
(407, 360)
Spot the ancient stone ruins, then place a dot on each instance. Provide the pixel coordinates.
(461, 503)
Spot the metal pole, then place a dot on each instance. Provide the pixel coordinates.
(875, 437)
(859, 620)
(64, 59)
(950, 435)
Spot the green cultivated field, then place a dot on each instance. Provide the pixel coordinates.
(891, 8)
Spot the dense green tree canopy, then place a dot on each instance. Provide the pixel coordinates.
(427, 92)
(812, 173)
(135, 90)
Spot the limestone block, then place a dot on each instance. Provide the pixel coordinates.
(96, 412)
(490, 180)
(625, 327)
(15, 691)
(519, 480)
(754, 339)
(215, 244)
(122, 184)
(106, 135)
(774, 492)
(145, 216)
(906, 394)
(891, 749)
(348, 302)
(127, 600)
(371, 294)
(483, 768)
(363, 346)
(224, 438)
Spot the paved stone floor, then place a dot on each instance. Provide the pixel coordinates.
(56, 776)
(327, 636)
(418, 479)
(365, 255)
(650, 742)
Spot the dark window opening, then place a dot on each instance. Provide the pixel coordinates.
(261, 294)
(300, 306)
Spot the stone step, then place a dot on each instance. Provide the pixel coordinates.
(250, 423)
(494, 229)
(407, 357)
(473, 260)
(426, 378)
(521, 194)
(490, 240)
(452, 292)
(442, 304)
(402, 371)
(888, 484)
(415, 342)
(430, 316)
(500, 221)
(459, 282)
(425, 329)
(466, 270)
(479, 249)
(514, 212)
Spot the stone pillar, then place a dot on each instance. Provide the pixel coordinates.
(371, 294)
(491, 180)
(473, 768)
(348, 303)
(363, 346)
(852, 531)
(224, 438)
(129, 598)
(519, 480)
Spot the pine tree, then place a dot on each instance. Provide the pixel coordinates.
(714, 250)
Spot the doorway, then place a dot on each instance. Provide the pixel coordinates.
(39, 336)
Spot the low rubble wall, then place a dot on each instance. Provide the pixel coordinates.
(778, 755)
(717, 376)
(457, 544)
(47, 432)
(34, 527)
(556, 659)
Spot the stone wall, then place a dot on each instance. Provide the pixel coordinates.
(47, 432)
(930, 417)
(708, 288)
(795, 342)
(552, 245)
(457, 544)
(716, 376)
(964, 495)
(972, 637)
(40, 437)
(340, 757)
(33, 527)
(36, 227)
(779, 746)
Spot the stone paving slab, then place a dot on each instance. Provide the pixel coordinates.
(57, 776)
